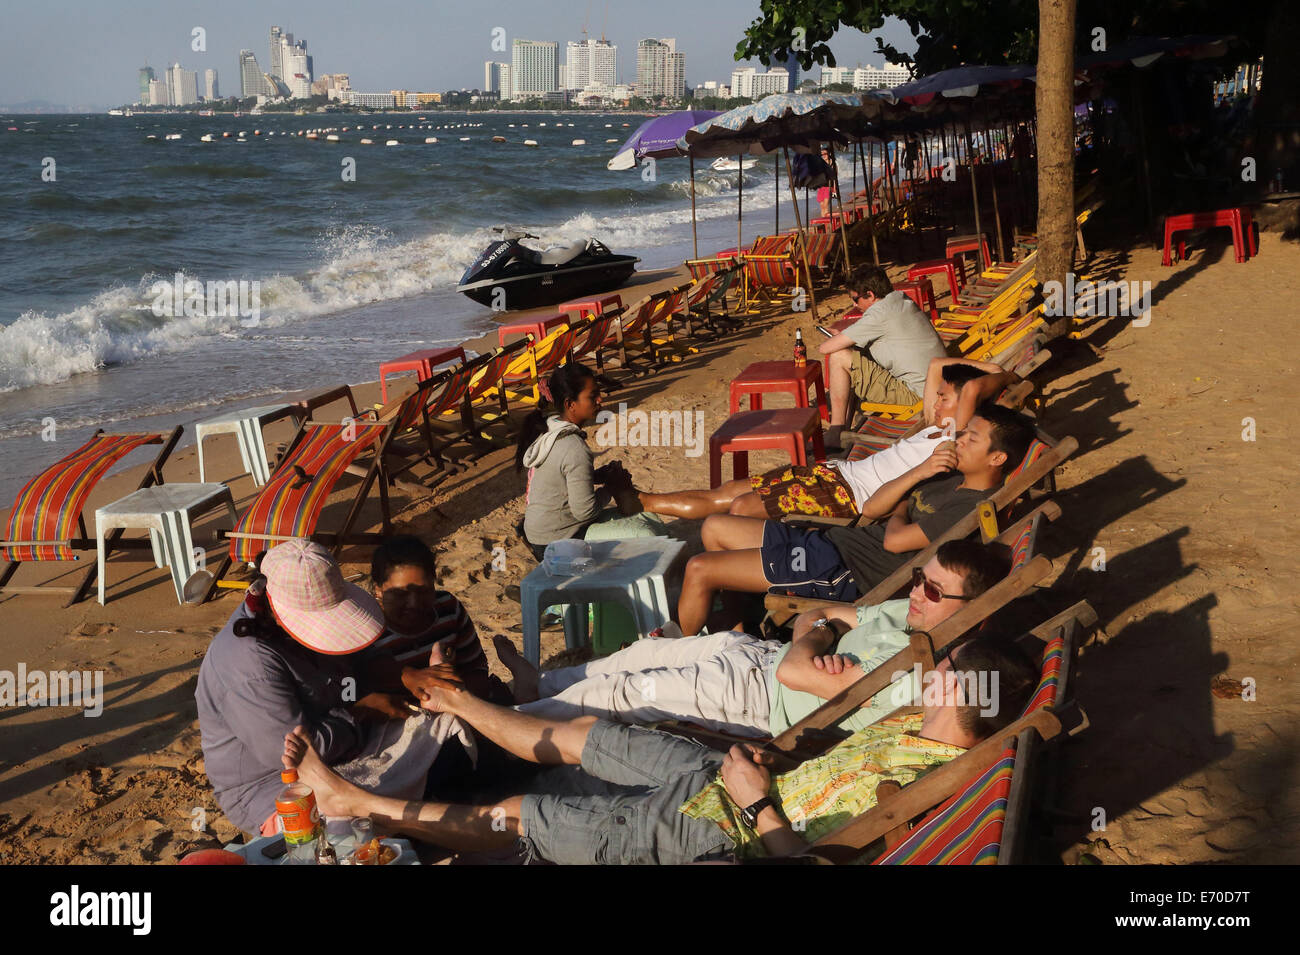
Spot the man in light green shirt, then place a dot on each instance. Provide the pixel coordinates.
(742, 685)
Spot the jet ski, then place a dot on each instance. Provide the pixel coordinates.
(509, 275)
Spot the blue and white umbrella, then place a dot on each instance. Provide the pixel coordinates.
(797, 120)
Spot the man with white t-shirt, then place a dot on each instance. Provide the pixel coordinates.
(954, 388)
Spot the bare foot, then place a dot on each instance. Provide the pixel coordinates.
(524, 673)
(335, 796)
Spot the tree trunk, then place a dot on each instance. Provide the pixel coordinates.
(1054, 100)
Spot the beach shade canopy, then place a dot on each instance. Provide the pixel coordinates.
(1143, 51)
(657, 137)
(800, 121)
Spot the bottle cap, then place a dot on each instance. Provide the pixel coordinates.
(288, 776)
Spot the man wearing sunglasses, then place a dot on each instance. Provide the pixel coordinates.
(883, 356)
(734, 683)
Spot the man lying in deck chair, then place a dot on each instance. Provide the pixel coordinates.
(841, 563)
(881, 358)
(690, 803)
(746, 686)
(954, 388)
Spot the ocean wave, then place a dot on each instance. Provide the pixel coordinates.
(362, 265)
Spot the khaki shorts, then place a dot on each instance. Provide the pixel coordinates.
(872, 383)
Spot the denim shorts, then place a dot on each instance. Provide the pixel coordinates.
(799, 562)
(644, 828)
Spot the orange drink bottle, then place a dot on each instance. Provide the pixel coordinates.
(296, 806)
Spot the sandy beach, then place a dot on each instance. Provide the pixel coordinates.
(1175, 528)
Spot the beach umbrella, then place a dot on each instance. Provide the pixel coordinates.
(801, 121)
(657, 137)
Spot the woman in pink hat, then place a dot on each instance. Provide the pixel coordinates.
(297, 652)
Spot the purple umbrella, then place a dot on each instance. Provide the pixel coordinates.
(657, 137)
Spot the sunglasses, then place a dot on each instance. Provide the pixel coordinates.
(931, 589)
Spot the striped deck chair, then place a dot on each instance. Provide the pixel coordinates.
(524, 378)
(706, 300)
(290, 504)
(822, 247)
(647, 329)
(486, 388)
(983, 796)
(40, 526)
(600, 336)
(661, 330)
(767, 277)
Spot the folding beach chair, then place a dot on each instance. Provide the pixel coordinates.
(983, 795)
(706, 300)
(524, 378)
(40, 525)
(486, 388)
(289, 505)
(600, 336)
(767, 277)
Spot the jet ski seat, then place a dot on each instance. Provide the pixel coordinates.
(562, 254)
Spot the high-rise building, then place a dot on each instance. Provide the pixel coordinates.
(534, 68)
(496, 79)
(590, 63)
(277, 42)
(252, 81)
(158, 94)
(210, 91)
(182, 86)
(660, 70)
(832, 75)
(146, 76)
(789, 63)
(751, 84)
(297, 70)
(871, 77)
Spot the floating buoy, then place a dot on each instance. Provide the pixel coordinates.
(312, 136)
(332, 137)
(498, 139)
(392, 142)
(430, 139)
(530, 142)
(579, 142)
(367, 142)
(464, 139)
(207, 138)
(611, 140)
(173, 135)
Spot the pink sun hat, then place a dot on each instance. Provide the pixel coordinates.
(314, 604)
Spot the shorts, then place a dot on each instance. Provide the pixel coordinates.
(799, 562)
(638, 828)
(816, 490)
(870, 382)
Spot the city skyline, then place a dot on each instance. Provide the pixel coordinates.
(375, 55)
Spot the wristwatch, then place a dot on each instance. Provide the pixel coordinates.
(749, 815)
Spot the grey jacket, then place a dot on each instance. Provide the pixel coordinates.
(562, 498)
(250, 693)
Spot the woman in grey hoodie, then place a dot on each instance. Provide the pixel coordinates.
(563, 497)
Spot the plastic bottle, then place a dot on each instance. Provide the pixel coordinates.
(800, 351)
(296, 806)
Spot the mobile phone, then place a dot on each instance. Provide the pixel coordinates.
(275, 849)
(825, 331)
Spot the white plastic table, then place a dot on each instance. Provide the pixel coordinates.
(246, 424)
(631, 572)
(168, 510)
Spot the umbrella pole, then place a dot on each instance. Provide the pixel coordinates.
(993, 171)
(871, 204)
(799, 232)
(695, 240)
(776, 196)
(740, 201)
(844, 236)
(974, 195)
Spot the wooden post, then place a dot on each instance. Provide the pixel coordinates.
(695, 240)
(844, 235)
(740, 202)
(997, 215)
(802, 237)
(974, 194)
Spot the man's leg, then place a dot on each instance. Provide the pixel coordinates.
(749, 505)
(708, 573)
(693, 505)
(840, 387)
(729, 532)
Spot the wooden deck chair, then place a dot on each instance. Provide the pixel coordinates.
(983, 795)
(40, 525)
(647, 333)
(599, 337)
(1037, 466)
(768, 277)
(486, 388)
(822, 259)
(524, 378)
(706, 300)
(289, 505)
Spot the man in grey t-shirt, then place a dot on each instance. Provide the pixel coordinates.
(883, 357)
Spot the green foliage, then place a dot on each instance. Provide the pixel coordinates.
(953, 32)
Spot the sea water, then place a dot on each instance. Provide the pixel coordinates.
(96, 217)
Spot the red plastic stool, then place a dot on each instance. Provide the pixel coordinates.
(920, 291)
(420, 362)
(580, 308)
(785, 429)
(951, 267)
(976, 242)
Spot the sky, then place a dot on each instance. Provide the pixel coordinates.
(87, 52)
